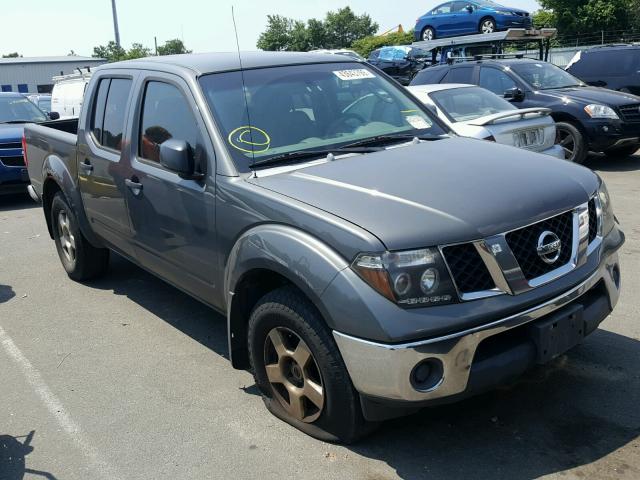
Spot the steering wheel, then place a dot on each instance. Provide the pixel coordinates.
(346, 120)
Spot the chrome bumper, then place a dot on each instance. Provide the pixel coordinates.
(384, 370)
(32, 193)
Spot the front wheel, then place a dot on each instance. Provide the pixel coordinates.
(428, 34)
(299, 370)
(80, 259)
(572, 142)
(487, 25)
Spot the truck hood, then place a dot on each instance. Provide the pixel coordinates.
(587, 95)
(439, 192)
(11, 132)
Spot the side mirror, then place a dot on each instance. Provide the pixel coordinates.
(174, 156)
(469, 8)
(53, 115)
(514, 94)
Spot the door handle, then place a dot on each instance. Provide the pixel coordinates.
(86, 167)
(133, 185)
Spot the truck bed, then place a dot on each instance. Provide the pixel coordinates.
(53, 141)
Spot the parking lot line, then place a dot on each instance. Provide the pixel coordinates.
(57, 410)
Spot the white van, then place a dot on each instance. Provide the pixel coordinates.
(68, 93)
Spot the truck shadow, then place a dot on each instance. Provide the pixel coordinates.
(601, 162)
(573, 412)
(570, 413)
(19, 201)
(12, 458)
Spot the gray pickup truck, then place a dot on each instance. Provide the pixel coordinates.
(368, 261)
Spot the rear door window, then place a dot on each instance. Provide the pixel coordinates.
(459, 75)
(114, 113)
(97, 116)
(429, 76)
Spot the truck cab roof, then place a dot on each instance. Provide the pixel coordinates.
(203, 63)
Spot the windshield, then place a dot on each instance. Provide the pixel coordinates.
(469, 103)
(544, 76)
(19, 109)
(309, 107)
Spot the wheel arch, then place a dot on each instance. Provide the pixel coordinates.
(57, 178)
(487, 17)
(268, 257)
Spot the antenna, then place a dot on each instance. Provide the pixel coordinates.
(244, 90)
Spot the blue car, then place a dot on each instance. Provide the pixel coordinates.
(465, 18)
(15, 111)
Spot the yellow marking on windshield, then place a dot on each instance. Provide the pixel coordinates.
(237, 139)
(408, 111)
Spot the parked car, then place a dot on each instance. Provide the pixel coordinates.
(68, 93)
(368, 262)
(41, 100)
(15, 111)
(612, 66)
(464, 18)
(587, 118)
(475, 112)
(340, 51)
(401, 62)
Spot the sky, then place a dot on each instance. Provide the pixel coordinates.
(56, 27)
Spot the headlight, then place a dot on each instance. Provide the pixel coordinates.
(504, 12)
(600, 111)
(408, 278)
(607, 219)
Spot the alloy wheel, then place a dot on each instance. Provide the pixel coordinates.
(566, 140)
(67, 240)
(487, 26)
(293, 374)
(428, 34)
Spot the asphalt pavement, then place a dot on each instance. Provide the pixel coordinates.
(127, 378)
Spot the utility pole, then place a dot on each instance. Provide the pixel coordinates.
(115, 21)
(155, 41)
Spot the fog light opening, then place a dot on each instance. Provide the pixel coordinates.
(427, 375)
(615, 274)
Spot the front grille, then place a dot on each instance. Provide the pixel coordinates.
(524, 244)
(467, 268)
(11, 145)
(593, 220)
(630, 113)
(12, 161)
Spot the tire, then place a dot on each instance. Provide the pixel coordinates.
(80, 259)
(622, 152)
(286, 318)
(571, 139)
(428, 34)
(487, 25)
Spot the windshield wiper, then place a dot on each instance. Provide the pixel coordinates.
(380, 139)
(286, 157)
(17, 121)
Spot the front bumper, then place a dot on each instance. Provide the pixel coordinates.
(605, 134)
(386, 371)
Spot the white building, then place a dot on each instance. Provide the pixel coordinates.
(33, 74)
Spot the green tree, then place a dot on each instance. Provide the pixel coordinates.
(544, 19)
(173, 47)
(338, 30)
(111, 51)
(137, 50)
(573, 17)
(12, 55)
(365, 46)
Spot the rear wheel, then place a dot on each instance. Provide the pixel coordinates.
(622, 152)
(428, 34)
(487, 25)
(299, 370)
(80, 259)
(572, 142)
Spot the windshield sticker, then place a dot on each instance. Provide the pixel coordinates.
(355, 74)
(416, 121)
(249, 139)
